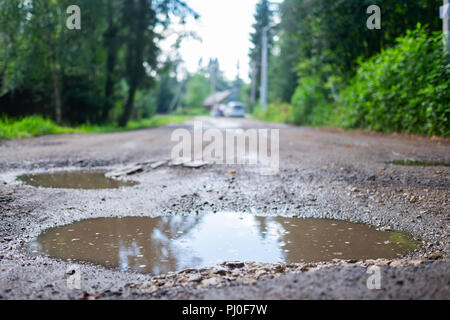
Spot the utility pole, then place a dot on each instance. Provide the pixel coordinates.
(264, 66)
(253, 92)
(445, 16)
(214, 66)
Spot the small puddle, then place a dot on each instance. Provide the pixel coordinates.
(171, 243)
(74, 180)
(414, 163)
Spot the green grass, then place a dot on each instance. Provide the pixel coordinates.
(29, 127)
(275, 112)
(191, 112)
(419, 163)
(33, 126)
(155, 121)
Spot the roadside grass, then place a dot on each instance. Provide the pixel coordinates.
(191, 112)
(33, 126)
(29, 127)
(275, 112)
(419, 163)
(155, 121)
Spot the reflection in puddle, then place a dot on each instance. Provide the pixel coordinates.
(74, 180)
(171, 243)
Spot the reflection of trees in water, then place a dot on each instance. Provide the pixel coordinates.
(166, 255)
(156, 245)
(134, 242)
(271, 229)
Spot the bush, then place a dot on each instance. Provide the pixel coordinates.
(275, 112)
(405, 88)
(28, 127)
(314, 98)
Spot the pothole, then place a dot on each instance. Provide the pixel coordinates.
(419, 163)
(74, 180)
(170, 243)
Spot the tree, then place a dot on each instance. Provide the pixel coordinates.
(112, 45)
(263, 18)
(199, 88)
(140, 18)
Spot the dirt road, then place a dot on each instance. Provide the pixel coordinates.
(323, 174)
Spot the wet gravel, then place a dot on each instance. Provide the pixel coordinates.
(323, 174)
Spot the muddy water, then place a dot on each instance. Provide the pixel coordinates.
(74, 180)
(159, 245)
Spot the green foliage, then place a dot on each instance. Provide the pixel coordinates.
(275, 112)
(263, 17)
(199, 89)
(37, 126)
(28, 127)
(313, 100)
(334, 33)
(156, 121)
(404, 89)
(46, 68)
(191, 112)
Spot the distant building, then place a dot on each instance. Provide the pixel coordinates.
(218, 98)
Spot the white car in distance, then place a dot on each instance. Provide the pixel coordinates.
(235, 110)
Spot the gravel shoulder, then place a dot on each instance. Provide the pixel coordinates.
(324, 173)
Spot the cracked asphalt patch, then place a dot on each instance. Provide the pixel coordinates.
(323, 174)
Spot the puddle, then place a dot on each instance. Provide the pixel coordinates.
(171, 243)
(74, 180)
(419, 163)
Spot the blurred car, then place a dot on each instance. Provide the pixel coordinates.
(235, 110)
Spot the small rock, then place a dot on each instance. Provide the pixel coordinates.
(416, 262)
(187, 270)
(219, 272)
(178, 162)
(88, 296)
(195, 164)
(234, 264)
(194, 278)
(148, 287)
(211, 281)
(396, 263)
(158, 164)
(435, 256)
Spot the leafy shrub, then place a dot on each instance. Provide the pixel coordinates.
(28, 127)
(275, 112)
(314, 98)
(405, 88)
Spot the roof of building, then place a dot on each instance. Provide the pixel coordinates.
(217, 98)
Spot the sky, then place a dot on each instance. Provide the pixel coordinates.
(224, 27)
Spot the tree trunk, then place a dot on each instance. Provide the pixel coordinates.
(111, 45)
(55, 77)
(135, 60)
(128, 108)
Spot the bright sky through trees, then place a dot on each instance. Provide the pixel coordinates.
(224, 27)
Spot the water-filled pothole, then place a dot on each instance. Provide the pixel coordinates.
(74, 180)
(415, 163)
(171, 243)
